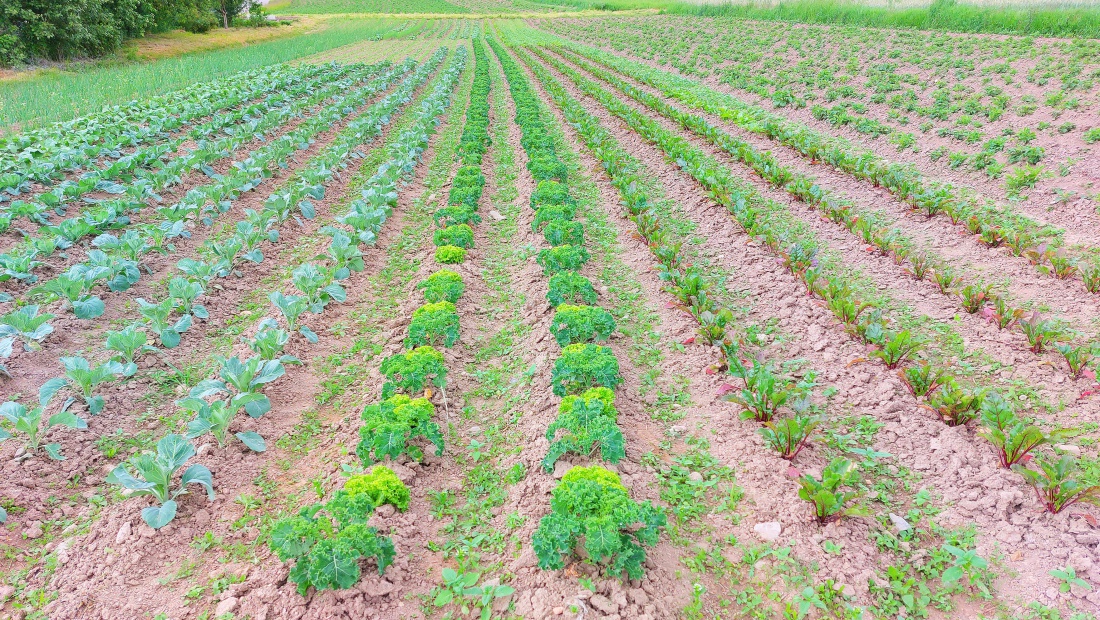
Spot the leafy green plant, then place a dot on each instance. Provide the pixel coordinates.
(382, 486)
(955, 405)
(317, 285)
(551, 213)
(159, 318)
(292, 308)
(1068, 578)
(964, 563)
(1091, 277)
(578, 324)
(589, 420)
(550, 193)
(459, 235)
(788, 436)
(28, 422)
(390, 425)
(344, 254)
(591, 508)
(269, 342)
(240, 378)
(764, 393)
(449, 255)
(945, 279)
(412, 371)
(975, 296)
(327, 542)
(1013, 438)
(73, 286)
(433, 324)
(1056, 485)
(829, 500)
(584, 366)
(564, 232)
(1002, 313)
(82, 378)
(155, 474)
(215, 418)
(128, 343)
(462, 588)
(570, 287)
(443, 285)
(923, 379)
(1077, 357)
(27, 325)
(1039, 332)
(562, 258)
(895, 347)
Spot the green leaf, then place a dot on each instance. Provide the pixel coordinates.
(252, 441)
(157, 517)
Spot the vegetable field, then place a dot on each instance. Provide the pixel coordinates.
(559, 315)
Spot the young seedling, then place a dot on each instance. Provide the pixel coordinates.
(27, 325)
(975, 296)
(895, 347)
(28, 422)
(829, 501)
(1039, 332)
(240, 378)
(269, 342)
(128, 343)
(1077, 357)
(764, 393)
(82, 378)
(1002, 314)
(215, 418)
(788, 436)
(292, 308)
(1013, 438)
(955, 405)
(159, 318)
(1068, 578)
(154, 475)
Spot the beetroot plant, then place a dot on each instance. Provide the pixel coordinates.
(923, 379)
(975, 296)
(895, 347)
(1040, 332)
(1013, 438)
(764, 393)
(1077, 357)
(956, 406)
(1056, 485)
(829, 500)
(788, 436)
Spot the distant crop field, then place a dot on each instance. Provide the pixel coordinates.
(365, 6)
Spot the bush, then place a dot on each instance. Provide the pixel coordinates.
(564, 232)
(450, 255)
(459, 235)
(570, 287)
(551, 213)
(382, 486)
(456, 214)
(574, 324)
(584, 366)
(432, 324)
(443, 285)
(562, 258)
(327, 541)
(591, 505)
(550, 193)
(389, 426)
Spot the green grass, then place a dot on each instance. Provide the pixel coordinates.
(302, 7)
(54, 96)
(947, 15)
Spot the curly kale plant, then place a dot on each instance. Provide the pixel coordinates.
(389, 426)
(588, 420)
(564, 232)
(443, 285)
(583, 366)
(327, 542)
(562, 258)
(450, 255)
(573, 324)
(412, 371)
(592, 505)
(432, 324)
(460, 235)
(550, 193)
(568, 287)
(382, 486)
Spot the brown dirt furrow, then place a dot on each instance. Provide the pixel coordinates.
(982, 343)
(955, 465)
